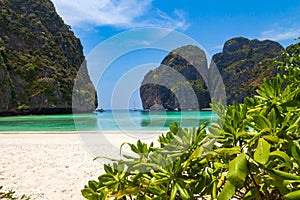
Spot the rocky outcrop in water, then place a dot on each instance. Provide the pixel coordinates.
(39, 60)
(243, 64)
(178, 82)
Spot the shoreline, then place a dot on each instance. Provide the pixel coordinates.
(82, 132)
(57, 165)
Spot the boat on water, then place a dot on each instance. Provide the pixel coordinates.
(99, 110)
(134, 108)
(206, 109)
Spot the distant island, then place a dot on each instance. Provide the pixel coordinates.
(243, 64)
(39, 60)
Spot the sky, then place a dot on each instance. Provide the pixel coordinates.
(210, 23)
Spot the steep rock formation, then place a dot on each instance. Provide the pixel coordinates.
(244, 64)
(178, 83)
(39, 60)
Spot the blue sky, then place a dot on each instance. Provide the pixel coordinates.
(209, 22)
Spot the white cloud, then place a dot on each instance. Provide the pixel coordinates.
(279, 35)
(117, 13)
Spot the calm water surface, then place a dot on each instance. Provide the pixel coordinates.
(108, 120)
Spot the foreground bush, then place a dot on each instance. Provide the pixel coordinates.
(251, 152)
(11, 195)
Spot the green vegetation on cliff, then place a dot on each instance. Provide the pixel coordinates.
(39, 59)
(243, 64)
(179, 82)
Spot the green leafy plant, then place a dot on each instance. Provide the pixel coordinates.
(251, 152)
(10, 195)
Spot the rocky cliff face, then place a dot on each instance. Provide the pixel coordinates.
(39, 60)
(178, 82)
(243, 64)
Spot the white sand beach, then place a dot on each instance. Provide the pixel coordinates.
(56, 165)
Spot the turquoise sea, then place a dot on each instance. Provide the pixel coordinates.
(109, 120)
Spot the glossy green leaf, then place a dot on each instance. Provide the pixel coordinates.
(271, 138)
(108, 169)
(129, 191)
(93, 185)
(236, 119)
(286, 175)
(262, 122)
(273, 119)
(227, 192)
(173, 192)
(183, 193)
(155, 189)
(229, 151)
(174, 127)
(283, 156)
(88, 193)
(240, 134)
(293, 195)
(237, 170)
(287, 182)
(262, 153)
(296, 152)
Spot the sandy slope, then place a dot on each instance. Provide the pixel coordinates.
(56, 166)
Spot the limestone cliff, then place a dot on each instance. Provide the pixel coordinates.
(39, 60)
(243, 64)
(178, 83)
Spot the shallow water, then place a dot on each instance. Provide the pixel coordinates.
(108, 120)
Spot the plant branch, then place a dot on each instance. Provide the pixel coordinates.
(253, 180)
